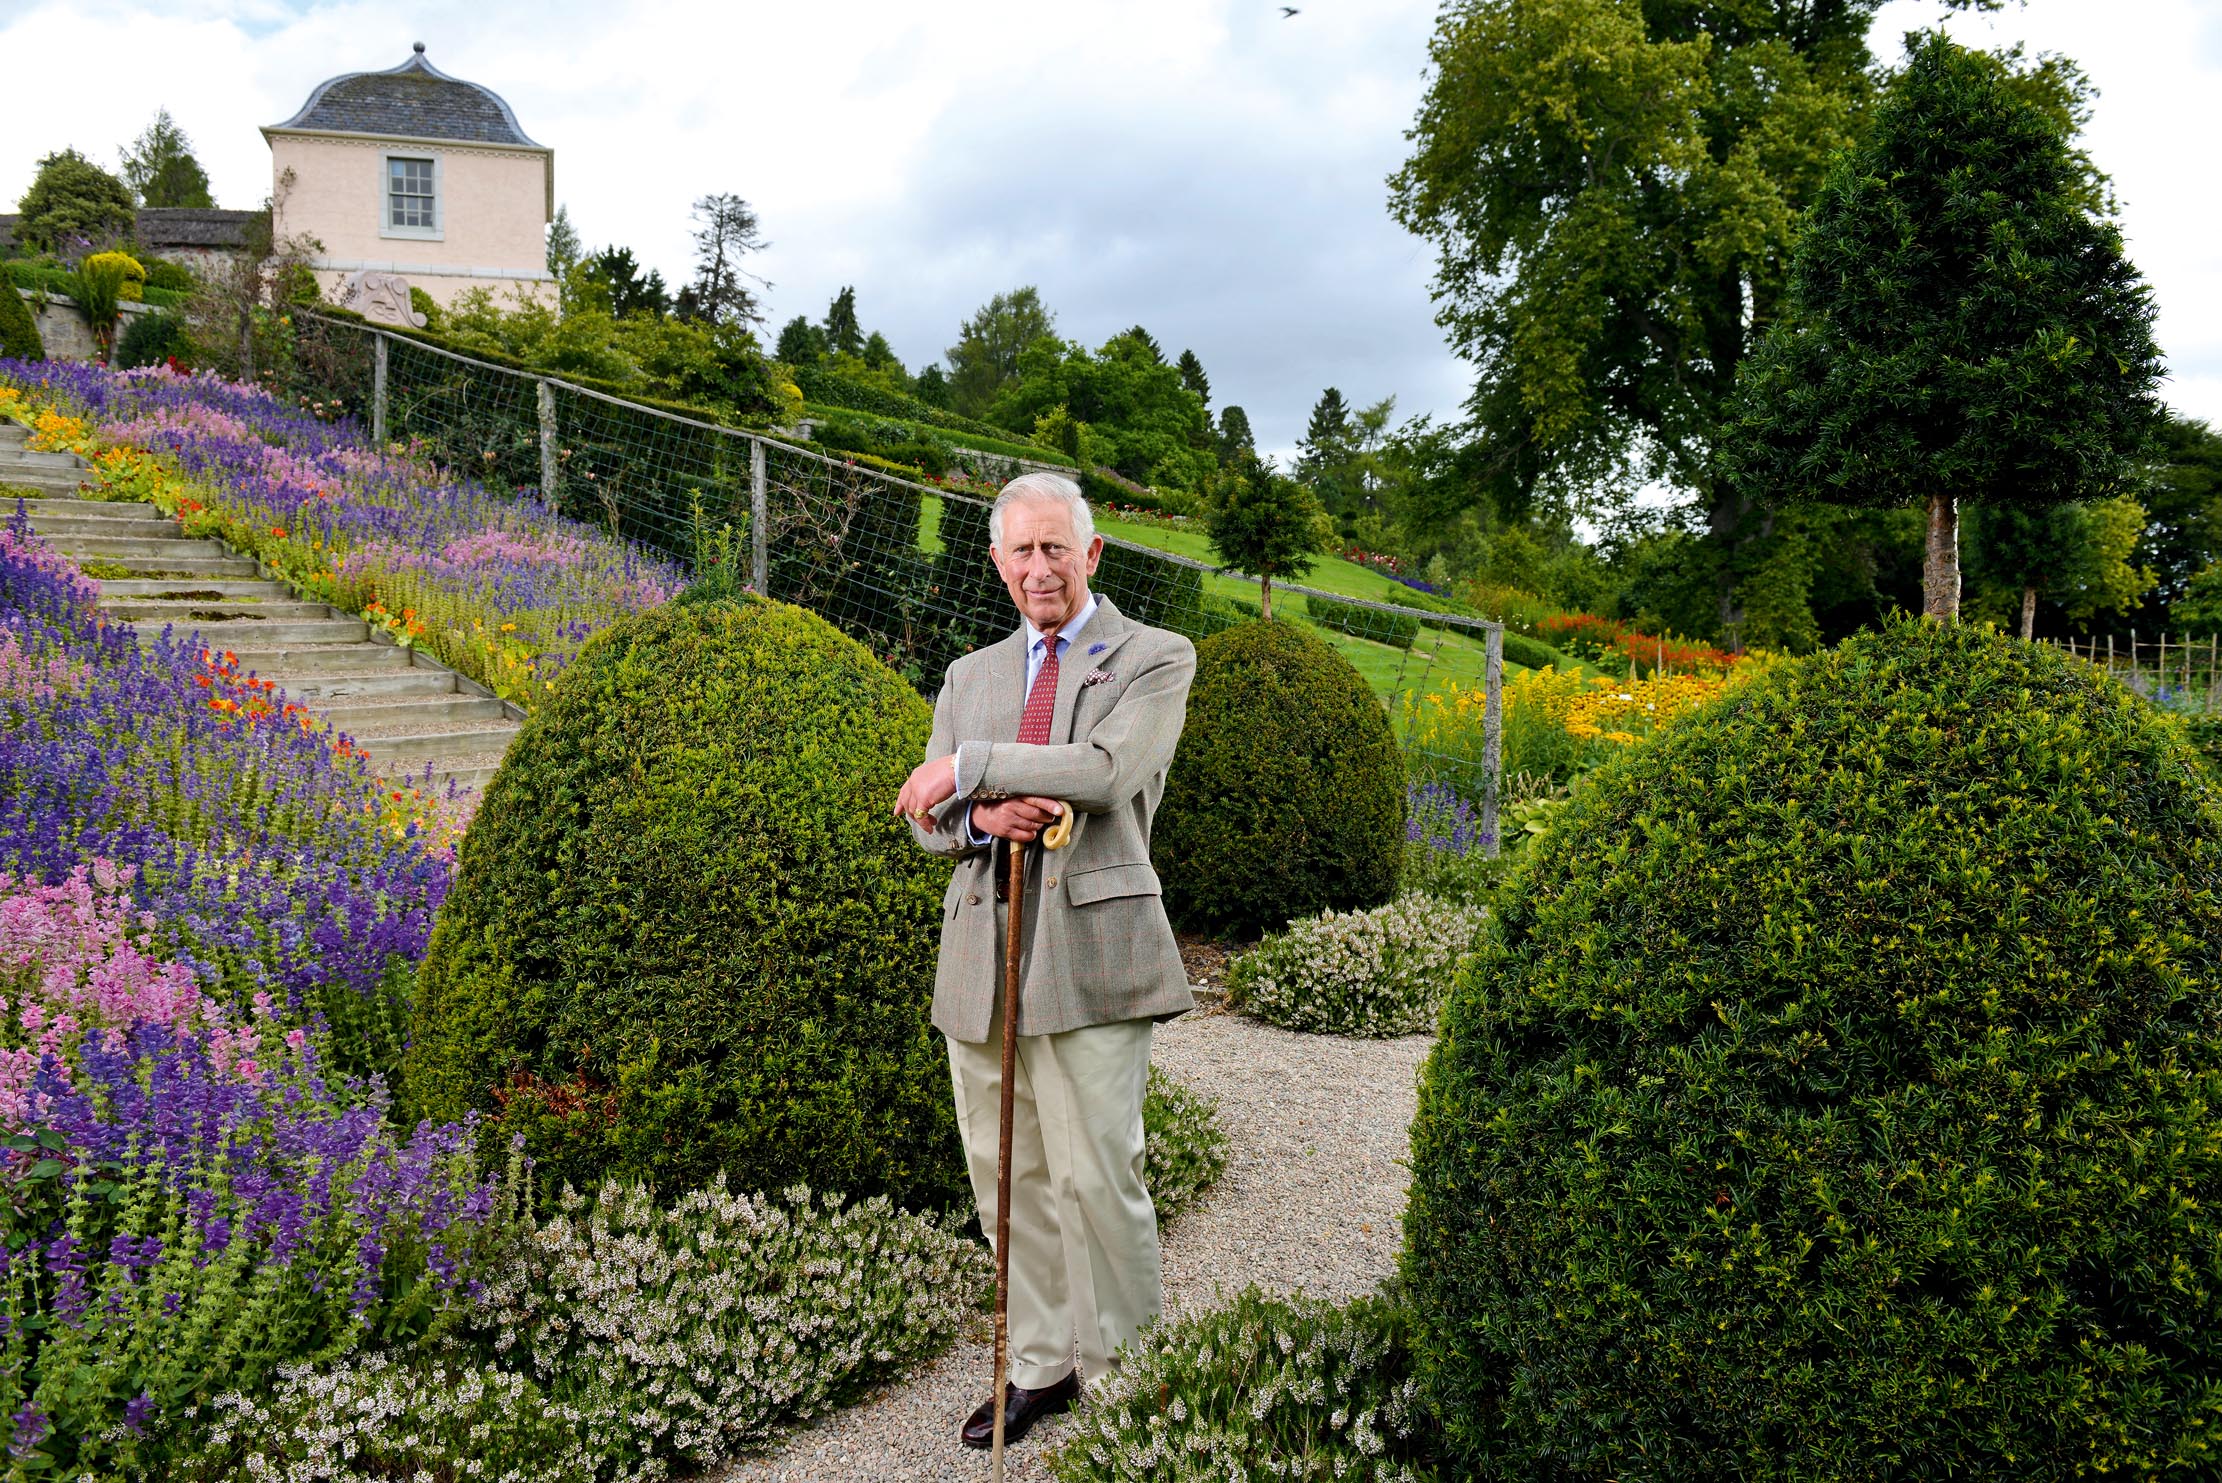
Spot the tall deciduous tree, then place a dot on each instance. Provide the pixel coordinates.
(985, 358)
(2183, 503)
(843, 333)
(726, 231)
(1962, 323)
(73, 207)
(1192, 376)
(160, 169)
(1262, 522)
(2081, 557)
(1612, 188)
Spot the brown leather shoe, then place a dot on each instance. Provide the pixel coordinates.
(1021, 1409)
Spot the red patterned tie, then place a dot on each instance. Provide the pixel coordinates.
(1033, 724)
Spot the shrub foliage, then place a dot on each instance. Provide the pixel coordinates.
(686, 935)
(1263, 1388)
(1286, 797)
(1373, 973)
(19, 332)
(1835, 1098)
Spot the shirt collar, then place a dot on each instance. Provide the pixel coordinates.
(1069, 632)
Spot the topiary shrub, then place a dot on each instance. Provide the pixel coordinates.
(1286, 797)
(19, 332)
(1836, 1097)
(686, 934)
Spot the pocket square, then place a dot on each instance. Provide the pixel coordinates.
(1097, 677)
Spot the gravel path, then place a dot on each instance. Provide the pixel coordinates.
(1312, 1199)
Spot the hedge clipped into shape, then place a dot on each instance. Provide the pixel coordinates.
(686, 936)
(1287, 795)
(1837, 1097)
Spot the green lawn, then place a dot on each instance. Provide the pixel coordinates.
(1434, 657)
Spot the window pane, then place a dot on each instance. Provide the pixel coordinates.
(409, 196)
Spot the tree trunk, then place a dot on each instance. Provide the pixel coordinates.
(1940, 565)
(1265, 596)
(2028, 613)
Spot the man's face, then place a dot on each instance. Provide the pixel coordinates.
(1041, 563)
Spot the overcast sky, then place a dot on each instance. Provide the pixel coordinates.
(1202, 167)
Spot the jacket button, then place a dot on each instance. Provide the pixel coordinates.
(1053, 883)
(973, 899)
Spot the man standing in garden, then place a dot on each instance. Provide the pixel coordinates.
(1085, 706)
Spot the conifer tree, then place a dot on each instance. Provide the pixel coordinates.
(844, 335)
(1235, 437)
(1962, 323)
(1192, 376)
(1262, 522)
(160, 168)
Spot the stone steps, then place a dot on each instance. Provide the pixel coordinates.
(418, 723)
(148, 610)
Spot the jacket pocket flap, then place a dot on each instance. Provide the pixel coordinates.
(1107, 881)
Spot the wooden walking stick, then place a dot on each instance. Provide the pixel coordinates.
(1055, 837)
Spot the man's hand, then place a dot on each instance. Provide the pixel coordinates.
(930, 785)
(1017, 819)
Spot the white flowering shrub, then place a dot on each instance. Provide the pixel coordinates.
(437, 1413)
(624, 1338)
(1184, 1149)
(1373, 973)
(1265, 1388)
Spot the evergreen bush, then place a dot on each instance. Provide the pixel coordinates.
(1370, 973)
(151, 339)
(687, 936)
(1286, 797)
(162, 273)
(19, 332)
(1535, 654)
(1835, 1095)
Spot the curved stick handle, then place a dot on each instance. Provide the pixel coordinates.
(1059, 834)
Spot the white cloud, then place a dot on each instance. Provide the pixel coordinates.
(1202, 167)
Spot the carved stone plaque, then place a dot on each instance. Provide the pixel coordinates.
(381, 298)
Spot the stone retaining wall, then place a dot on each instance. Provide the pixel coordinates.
(63, 328)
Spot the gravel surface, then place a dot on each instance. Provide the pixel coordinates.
(1312, 1199)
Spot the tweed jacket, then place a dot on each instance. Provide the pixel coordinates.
(1097, 946)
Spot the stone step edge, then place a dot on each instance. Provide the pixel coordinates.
(418, 658)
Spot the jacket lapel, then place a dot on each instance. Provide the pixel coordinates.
(1005, 701)
(1110, 628)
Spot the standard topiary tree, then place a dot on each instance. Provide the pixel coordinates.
(19, 332)
(1286, 797)
(1962, 323)
(1836, 1095)
(687, 935)
(1262, 522)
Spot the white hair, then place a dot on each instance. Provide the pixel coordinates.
(1043, 487)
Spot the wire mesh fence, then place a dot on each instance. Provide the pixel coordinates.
(2180, 672)
(898, 564)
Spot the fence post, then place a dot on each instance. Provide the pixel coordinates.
(1492, 736)
(759, 507)
(378, 390)
(547, 442)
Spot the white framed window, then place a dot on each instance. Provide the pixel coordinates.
(409, 197)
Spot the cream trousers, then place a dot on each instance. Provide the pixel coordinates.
(1084, 1259)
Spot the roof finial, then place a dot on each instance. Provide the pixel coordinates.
(420, 48)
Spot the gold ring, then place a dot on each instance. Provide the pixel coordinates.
(922, 815)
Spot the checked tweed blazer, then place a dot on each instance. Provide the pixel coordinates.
(1097, 946)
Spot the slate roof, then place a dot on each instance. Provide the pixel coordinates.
(415, 100)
